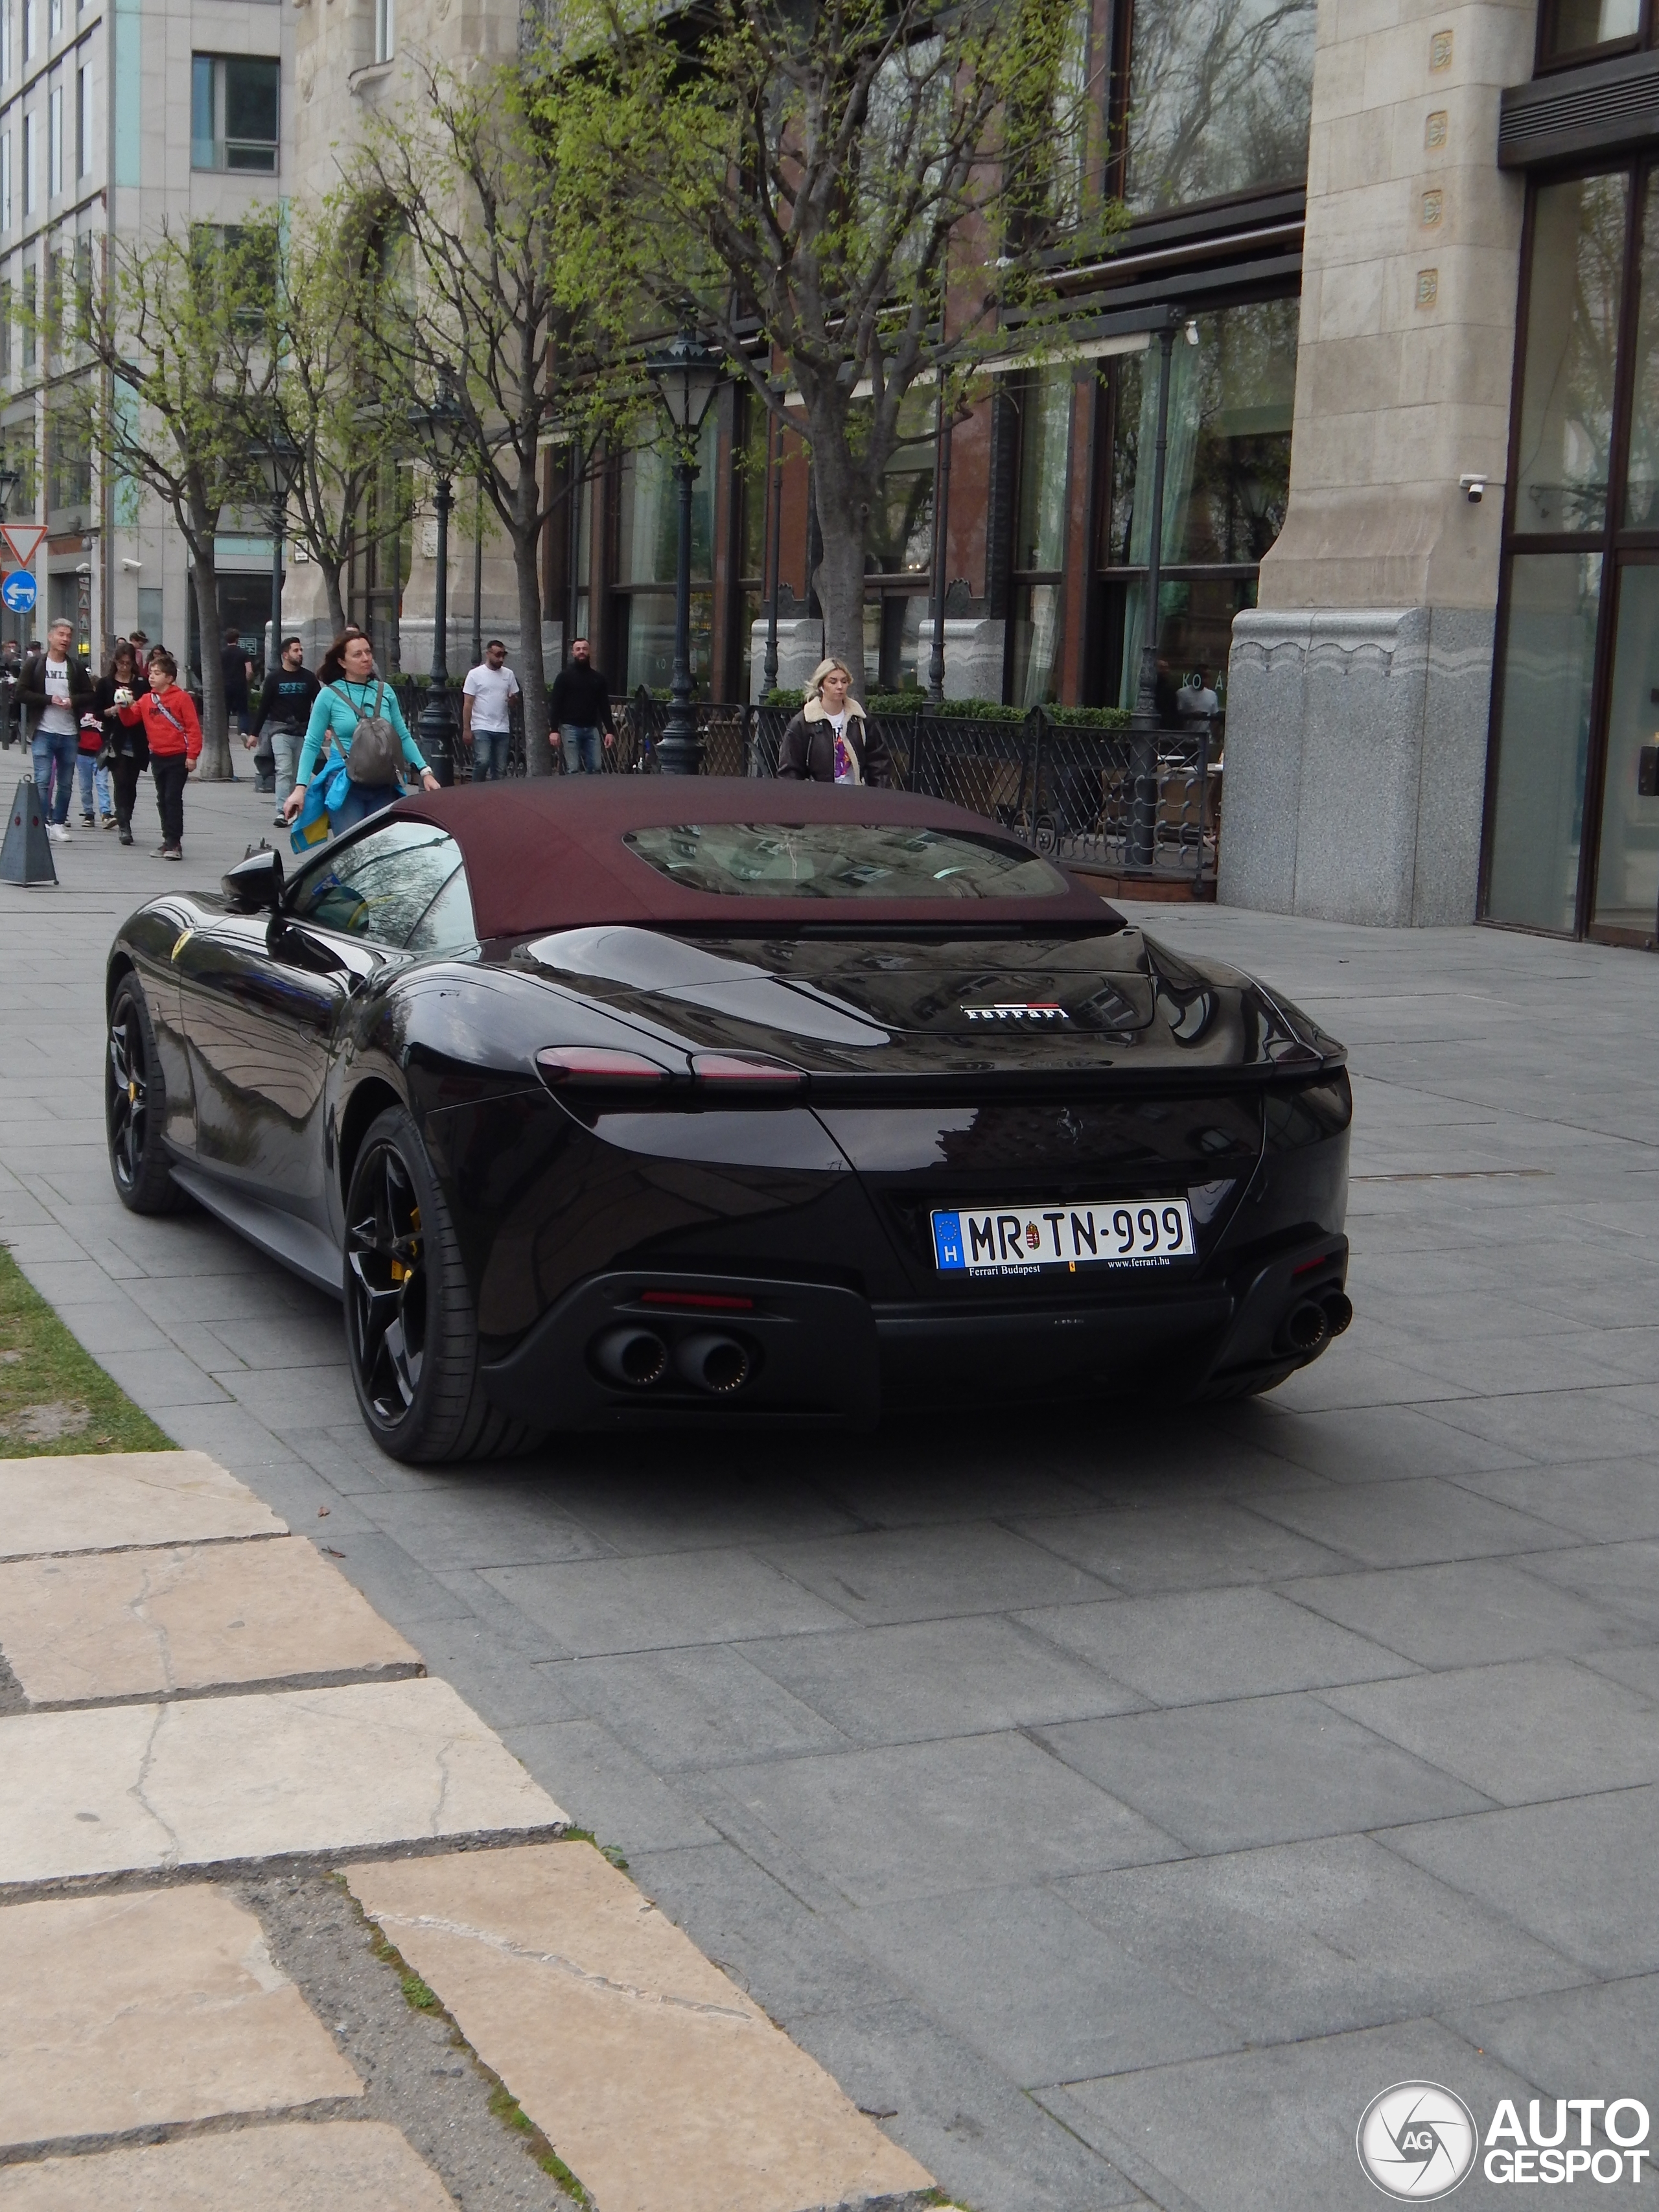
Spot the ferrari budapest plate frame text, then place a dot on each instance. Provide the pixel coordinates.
(1031, 1240)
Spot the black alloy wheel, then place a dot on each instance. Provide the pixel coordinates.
(411, 1328)
(135, 1106)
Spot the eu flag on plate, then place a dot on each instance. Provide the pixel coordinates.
(947, 1239)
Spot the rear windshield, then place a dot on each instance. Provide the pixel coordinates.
(843, 861)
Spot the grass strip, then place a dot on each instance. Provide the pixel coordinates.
(54, 1397)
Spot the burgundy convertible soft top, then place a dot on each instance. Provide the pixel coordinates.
(549, 854)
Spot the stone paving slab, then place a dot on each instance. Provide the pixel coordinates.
(293, 2167)
(123, 1623)
(199, 1782)
(155, 2006)
(660, 2084)
(95, 1501)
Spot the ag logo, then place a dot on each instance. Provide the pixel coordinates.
(1417, 2141)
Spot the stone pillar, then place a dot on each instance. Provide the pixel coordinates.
(1358, 689)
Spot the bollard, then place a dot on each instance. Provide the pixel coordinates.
(26, 852)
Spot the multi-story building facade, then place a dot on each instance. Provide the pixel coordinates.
(118, 116)
(1410, 522)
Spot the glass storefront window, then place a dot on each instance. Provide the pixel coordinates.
(649, 639)
(1220, 92)
(1544, 739)
(1227, 462)
(1044, 402)
(1575, 289)
(1572, 27)
(900, 542)
(1642, 472)
(1627, 862)
(648, 520)
(1226, 481)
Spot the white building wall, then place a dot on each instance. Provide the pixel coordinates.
(130, 170)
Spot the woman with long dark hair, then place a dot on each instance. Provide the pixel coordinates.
(354, 698)
(125, 745)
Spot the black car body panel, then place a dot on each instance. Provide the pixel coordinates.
(928, 1069)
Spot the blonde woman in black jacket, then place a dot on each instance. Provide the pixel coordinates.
(832, 739)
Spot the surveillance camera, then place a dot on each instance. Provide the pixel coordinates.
(134, 565)
(1472, 487)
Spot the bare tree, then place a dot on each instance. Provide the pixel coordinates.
(165, 363)
(504, 267)
(864, 192)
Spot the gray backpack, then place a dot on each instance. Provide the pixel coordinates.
(375, 755)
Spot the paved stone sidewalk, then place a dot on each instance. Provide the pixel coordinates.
(1118, 1802)
(134, 2012)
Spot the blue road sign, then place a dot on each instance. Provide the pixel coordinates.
(18, 592)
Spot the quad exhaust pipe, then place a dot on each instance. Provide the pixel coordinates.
(1310, 1326)
(718, 1365)
(639, 1358)
(635, 1357)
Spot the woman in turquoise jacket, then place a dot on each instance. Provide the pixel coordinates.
(350, 689)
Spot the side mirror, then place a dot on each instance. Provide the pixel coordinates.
(255, 885)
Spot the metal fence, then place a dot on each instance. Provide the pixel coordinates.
(1111, 800)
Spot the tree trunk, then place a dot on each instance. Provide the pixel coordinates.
(843, 510)
(214, 765)
(532, 669)
(332, 571)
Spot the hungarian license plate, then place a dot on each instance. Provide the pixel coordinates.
(1029, 1240)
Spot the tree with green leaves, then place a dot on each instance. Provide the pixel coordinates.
(508, 303)
(161, 367)
(335, 411)
(863, 194)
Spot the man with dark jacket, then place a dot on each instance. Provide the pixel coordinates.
(581, 710)
(54, 691)
(285, 711)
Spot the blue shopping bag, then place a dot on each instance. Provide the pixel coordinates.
(325, 794)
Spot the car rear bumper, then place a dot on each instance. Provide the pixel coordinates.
(626, 1349)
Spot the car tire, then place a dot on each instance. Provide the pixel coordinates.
(135, 1106)
(411, 1327)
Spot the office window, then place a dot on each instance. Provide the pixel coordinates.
(55, 141)
(5, 41)
(233, 111)
(1574, 27)
(1220, 92)
(31, 28)
(55, 16)
(82, 302)
(5, 331)
(82, 122)
(5, 180)
(31, 344)
(385, 29)
(30, 194)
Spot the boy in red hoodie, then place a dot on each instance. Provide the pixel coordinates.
(168, 719)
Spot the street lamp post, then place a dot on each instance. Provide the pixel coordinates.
(941, 548)
(774, 553)
(1144, 724)
(438, 425)
(687, 374)
(477, 574)
(283, 459)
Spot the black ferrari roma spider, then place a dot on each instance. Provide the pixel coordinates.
(623, 1099)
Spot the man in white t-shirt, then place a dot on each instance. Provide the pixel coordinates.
(484, 718)
(55, 690)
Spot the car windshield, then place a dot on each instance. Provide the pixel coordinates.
(843, 861)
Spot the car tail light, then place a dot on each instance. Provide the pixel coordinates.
(596, 1067)
(731, 1071)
